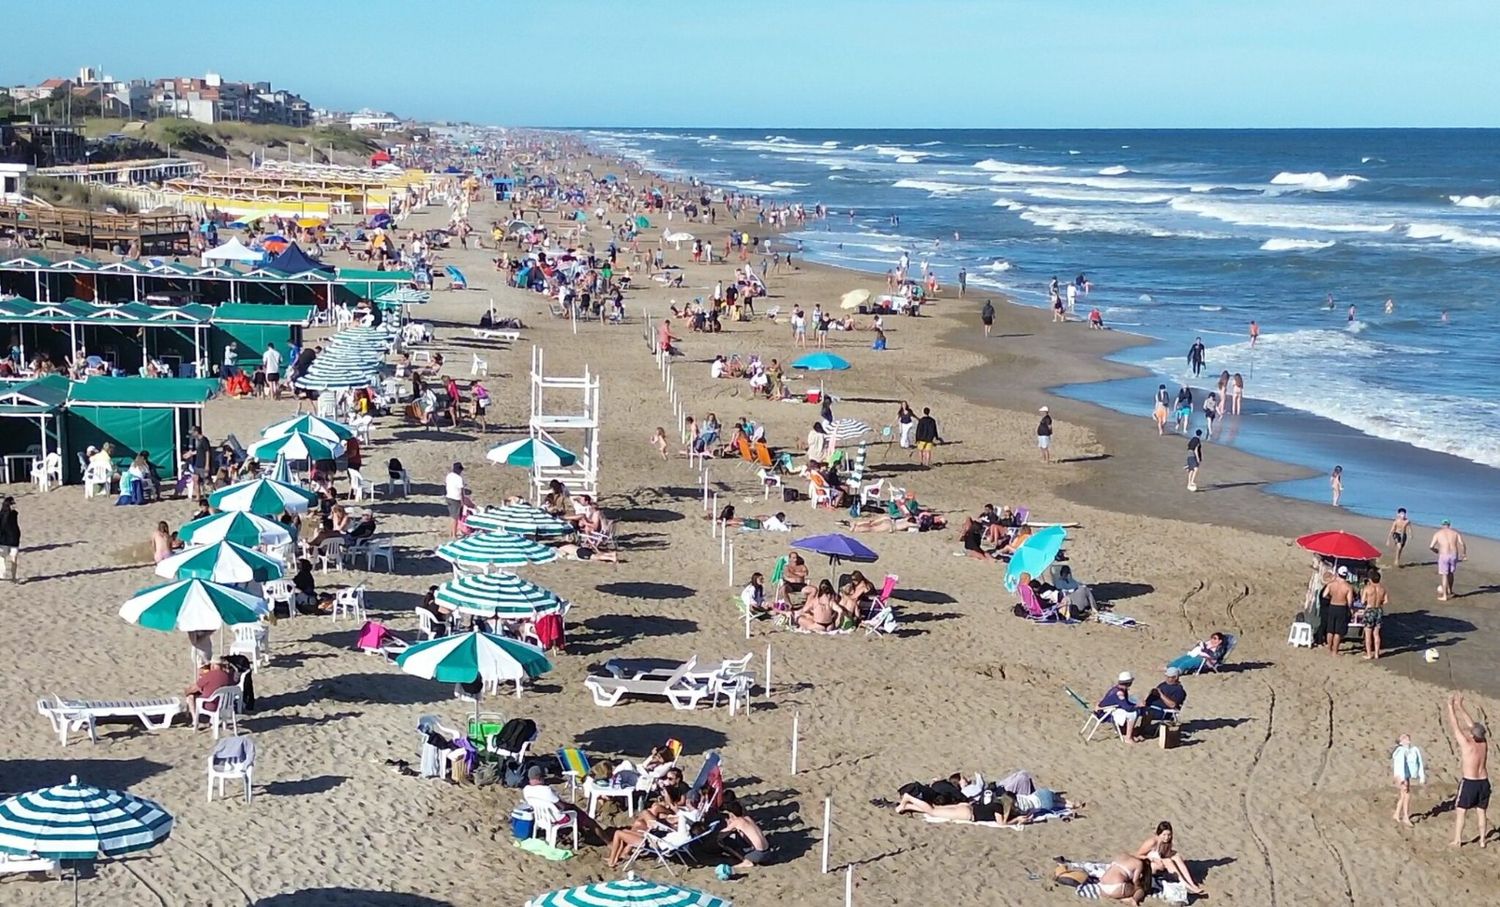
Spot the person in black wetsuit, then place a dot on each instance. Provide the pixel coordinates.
(1195, 356)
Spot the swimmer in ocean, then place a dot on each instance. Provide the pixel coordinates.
(1254, 334)
(1329, 304)
(1390, 306)
(1351, 314)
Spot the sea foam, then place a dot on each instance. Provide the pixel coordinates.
(1295, 245)
(1316, 181)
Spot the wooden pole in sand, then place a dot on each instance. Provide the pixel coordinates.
(796, 719)
(827, 826)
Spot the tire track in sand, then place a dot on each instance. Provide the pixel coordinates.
(1183, 603)
(1260, 841)
(1338, 858)
(1242, 593)
(160, 898)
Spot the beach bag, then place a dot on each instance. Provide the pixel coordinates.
(514, 774)
(1174, 892)
(1072, 878)
(788, 495)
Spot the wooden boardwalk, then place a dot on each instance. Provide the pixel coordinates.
(167, 232)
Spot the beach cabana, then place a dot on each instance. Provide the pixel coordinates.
(136, 414)
(234, 250)
(293, 260)
(32, 414)
(253, 326)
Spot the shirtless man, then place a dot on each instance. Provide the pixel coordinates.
(743, 838)
(1340, 601)
(1473, 754)
(1400, 530)
(1450, 549)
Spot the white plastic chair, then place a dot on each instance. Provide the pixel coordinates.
(428, 626)
(252, 641)
(46, 471)
(330, 554)
(221, 771)
(360, 487)
(95, 480)
(479, 366)
(1301, 635)
(380, 548)
(277, 592)
(404, 480)
(225, 711)
(350, 602)
(362, 426)
(549, 820)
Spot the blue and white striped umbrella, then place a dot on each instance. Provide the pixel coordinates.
(523, 519)
(495, 549)
(77, 822)
(844, 429)
(502, 596)
(627, 892)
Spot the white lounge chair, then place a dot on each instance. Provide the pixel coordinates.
(676, 687)
(69, 715)
(14, 864)
(490, 334)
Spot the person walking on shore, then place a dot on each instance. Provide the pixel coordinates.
(1400, 531)
(1406, 767)
(1044, 434)
(906, 424)
(1336, 484)
(963, 282)
(1195, 356)
(1473, 740)
(1375, 599)
(927, 437)
(10, 540)
(987, 316)
(1449, 547)
(1160, 409)
(1194, 459)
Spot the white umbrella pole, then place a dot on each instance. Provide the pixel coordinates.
(724, 542)
(849, 886)
(796, 720)
(827, 827)
(705, 491)
(767, 687)
(747, 619)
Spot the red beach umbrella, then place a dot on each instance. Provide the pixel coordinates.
(1344, 546)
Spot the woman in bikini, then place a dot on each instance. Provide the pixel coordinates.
(1164, 858)
(1237, 392)
(821, 612)
(1127, 879)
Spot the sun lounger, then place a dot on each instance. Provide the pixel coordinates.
(14, 864)
(69, 715)
(488, 334)
(675, 687)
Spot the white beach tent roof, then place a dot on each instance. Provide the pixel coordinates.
(234, 250)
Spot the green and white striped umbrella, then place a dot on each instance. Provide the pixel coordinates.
(404, 296)
(192, 604)
(627, 892)
(531, 453)
(308, 424)
(77, 822)
(473, 656)
(221, 562)
(325, 380)
(296, 446)
(234, 526)
(266, 497)
(523, 519)
(495, 549)
(503, 596)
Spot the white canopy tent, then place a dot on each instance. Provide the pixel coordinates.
(234, 250)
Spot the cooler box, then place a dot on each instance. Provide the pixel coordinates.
(522, 822)
(815, 396)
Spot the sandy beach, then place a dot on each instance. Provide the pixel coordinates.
(1280, 792)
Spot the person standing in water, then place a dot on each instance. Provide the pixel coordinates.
(1184, 405)
(1336, 484)
(963, 278)
(1210, 414)
(1390, 306)
(1224, 393)
(1473, 741)
(1195, 356)
(1160, 410)
(1238, 391)
(1449, 546)
(1351, 315)
(1400, 530)
(1254, 334)
(986, 316)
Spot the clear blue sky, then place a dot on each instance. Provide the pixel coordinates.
(815, 63)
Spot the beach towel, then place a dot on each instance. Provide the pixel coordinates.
(1117, 620)
(1049, 815)
(1090, 892)
(544, 850)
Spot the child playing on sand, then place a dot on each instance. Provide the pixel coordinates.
(659, 441)
(1406, 766)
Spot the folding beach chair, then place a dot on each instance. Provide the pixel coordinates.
(575, 767)
(1097, 717)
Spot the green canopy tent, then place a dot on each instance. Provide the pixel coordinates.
(124, 335)
(253, 326)
(367, 284)
(32, 414)
(137, 414)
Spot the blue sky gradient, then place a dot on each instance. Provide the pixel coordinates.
(812, 63)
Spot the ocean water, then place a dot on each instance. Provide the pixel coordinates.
(1188, 234)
